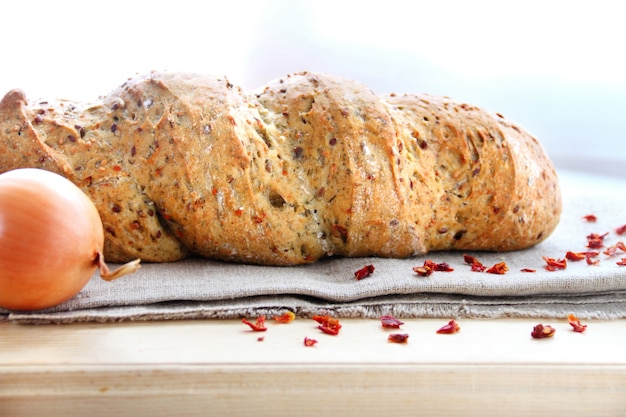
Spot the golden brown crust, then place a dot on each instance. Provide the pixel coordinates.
(309, 166)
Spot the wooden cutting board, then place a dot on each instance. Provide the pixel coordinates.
(221, 368)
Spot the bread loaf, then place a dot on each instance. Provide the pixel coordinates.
(308, 166)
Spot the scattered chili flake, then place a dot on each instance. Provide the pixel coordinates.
(258, 325)
(622, 262)
(286, 317)
(309, 342)
(429, 267)
(591, 218)
(611, 250)
(328, 325)
(475, 264)
(575, 256)
(450, 328)
(589, 259)
(555, 264)
(575, 323)
(364, 272)
(390, 322)
(528, 270)
(541, 332)
(398, 338)
(621, 230)
(260, 339)
(500, 268)
(423, 271)
(595, 241)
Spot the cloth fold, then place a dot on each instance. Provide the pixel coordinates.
(199, 288)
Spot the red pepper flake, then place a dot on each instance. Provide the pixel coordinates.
(260, 339)
(595, 241)
(429, 267)
(575, 323)
(398, 338)
(328, 325)
(541, 332)
(286, 317)
(364, 272)
(475, 264)
(450, 328)
(611, 250)
(258, 325)
(309, 342)
(622, 262)
(555, 264)
(239, 211)
(528, 270)
(591, 218)
(621, 230)
(390, 322)
(500, 268)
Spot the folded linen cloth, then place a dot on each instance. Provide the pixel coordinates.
(199, 288)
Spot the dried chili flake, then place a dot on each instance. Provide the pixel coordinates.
(621, 230)
(622, 262)
(474, 263)
(260, 339)
(398, 338)
(575, 256)
(364, 272)
(575, 323)
(528, 270)
(500, 268)
(423, 271)
(612, 250)
(591, 218)
(309, 342)
(450, 328)
(541, 331)
(595, 241)
(554, 264)
(328, 325)
(390, 322)
(286, 317)
(429, 267)
(258, 325)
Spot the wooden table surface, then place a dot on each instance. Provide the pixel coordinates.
(221, 368)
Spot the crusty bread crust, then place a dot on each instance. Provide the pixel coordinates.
(308, 166)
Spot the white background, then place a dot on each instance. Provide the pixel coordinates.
(556, 67)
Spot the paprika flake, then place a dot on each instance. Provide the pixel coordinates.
(450, 328)
(364, 272)
(402, 338)
(474, 263)
(541, 331)
(596, 241)
(554, 264)
(328, 325)
(429, 267)
(309, 342)
(500, 268)
(390, 322)
(575, 323)
(258, 325)
(591, 218)
(621, 230)
(286, 317)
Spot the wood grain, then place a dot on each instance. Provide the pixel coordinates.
(189, 368)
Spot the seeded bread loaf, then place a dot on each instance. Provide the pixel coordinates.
(308, 166)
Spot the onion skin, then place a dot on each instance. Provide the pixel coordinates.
(51, 239)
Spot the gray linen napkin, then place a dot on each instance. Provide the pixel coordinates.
(198, 288)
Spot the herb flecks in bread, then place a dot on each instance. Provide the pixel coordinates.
(308, 166)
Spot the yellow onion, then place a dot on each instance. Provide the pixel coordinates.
(51, 240)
